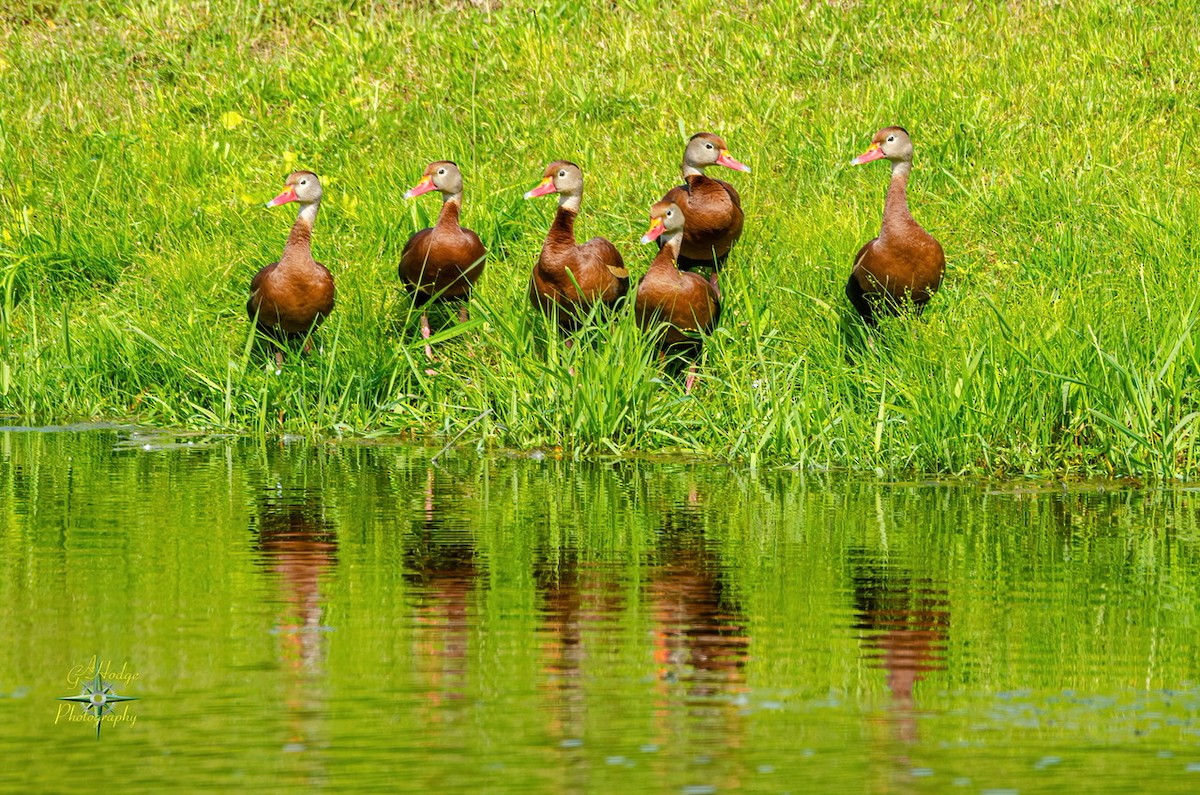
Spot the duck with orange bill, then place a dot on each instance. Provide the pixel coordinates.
(289, 298)
(676, 305)
(905, 263)
(712, 207)
(570, 278)
(443, 262)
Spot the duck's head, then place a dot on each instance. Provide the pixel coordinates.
(666, 221)
(441, 175)
(892, 143)
(300, 186)
(705, 149)
(561, 176)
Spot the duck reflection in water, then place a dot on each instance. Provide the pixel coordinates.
(905, 623)
(440, 568)
(699, 642)
(297, 545)
(699, 635)
(578, 599)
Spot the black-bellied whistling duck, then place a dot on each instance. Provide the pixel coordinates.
(712, 207)
(570, 278)
(444, 261)
(291, 297)
(685, 301)
(904, 262)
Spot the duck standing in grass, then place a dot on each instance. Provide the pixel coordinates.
(712, 207)
(905, 262)
(291, 297)
(569, 278)
(673, 303)
(445, 261)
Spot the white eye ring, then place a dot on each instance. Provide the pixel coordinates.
(708, 146)
(441, 171)
(891, 138)
(562, 173)
(303, 182)
(670, 213)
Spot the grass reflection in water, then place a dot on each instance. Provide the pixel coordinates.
(310, 616)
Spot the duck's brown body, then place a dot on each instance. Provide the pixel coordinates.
(685, 301)
(905, 263)
(713, 210)
(570, 278)
(444, 261)
(291, 297)
(675, 304)
(711, 207)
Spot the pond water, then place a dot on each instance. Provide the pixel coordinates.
(357, 618)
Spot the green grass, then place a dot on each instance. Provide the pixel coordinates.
(138, 141)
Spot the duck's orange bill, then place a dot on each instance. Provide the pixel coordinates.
(288, 195)
(872, 153)
(544, 187)
(424, 186)
(727, 160)
(656, 229)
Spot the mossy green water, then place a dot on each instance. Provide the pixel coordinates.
(139, 140)
(358, 618)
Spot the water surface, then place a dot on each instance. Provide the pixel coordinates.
(358, 618)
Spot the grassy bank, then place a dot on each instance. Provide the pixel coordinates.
(1053, 160)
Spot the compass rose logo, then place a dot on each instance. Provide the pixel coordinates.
(97, 698)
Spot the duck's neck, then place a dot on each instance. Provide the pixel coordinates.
(570, 202)
(563, 228)
(308, 213)
(895, 209)
(668, 255)
(451, 207)
(299, 242)
(690, 170)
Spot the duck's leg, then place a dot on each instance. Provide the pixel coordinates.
(690, 381)
(699, 354)
(464, 313)
(426, 333)
(274, 340)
